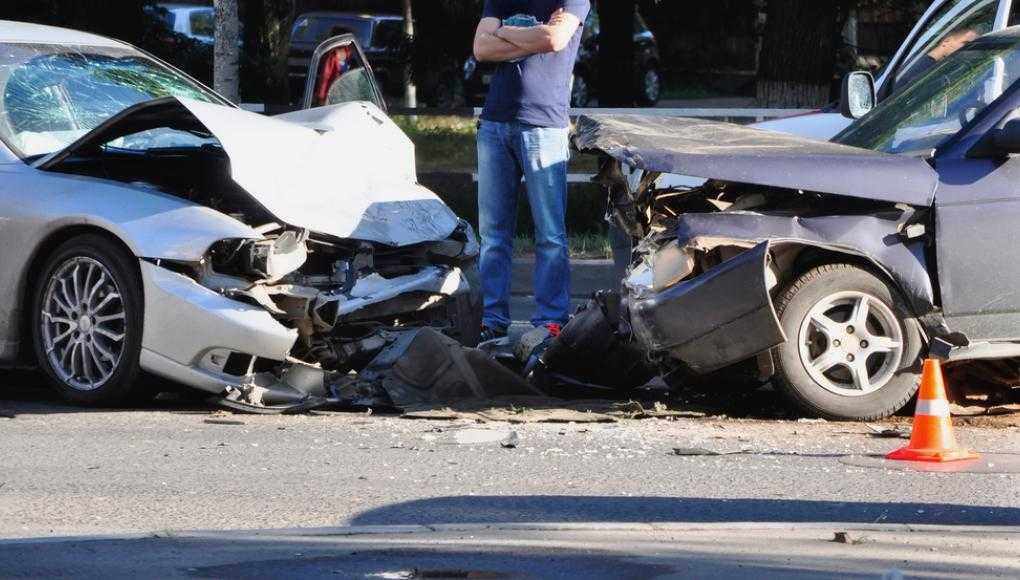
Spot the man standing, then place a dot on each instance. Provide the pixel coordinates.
(524, 133)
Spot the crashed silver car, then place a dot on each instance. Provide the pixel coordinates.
(150, 226)
(831, 267)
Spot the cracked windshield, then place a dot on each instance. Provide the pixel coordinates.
(53, 95)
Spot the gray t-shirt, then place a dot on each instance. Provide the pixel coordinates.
(535, 90)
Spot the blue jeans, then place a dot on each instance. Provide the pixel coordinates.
(507, 152)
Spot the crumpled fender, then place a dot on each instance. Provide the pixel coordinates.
(716, 319)
(874, 237)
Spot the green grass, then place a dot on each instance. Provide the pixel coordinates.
(448, 144)
(582, 247)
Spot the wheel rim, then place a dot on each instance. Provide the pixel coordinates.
(652, 85)
(83, 323)
(580, 92)
(851, 343)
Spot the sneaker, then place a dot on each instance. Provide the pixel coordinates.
(491, 334)
(554, 329)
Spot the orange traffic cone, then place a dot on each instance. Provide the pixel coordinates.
(932, 436)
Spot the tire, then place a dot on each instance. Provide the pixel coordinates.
(649, 87)
(99, 365)
(829, 367)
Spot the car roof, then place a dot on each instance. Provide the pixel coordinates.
(12, 31)
(357, 15)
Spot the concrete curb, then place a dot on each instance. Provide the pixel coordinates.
(586, 277)
(348, 531)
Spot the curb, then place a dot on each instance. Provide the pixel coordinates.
(586, 277)
(348, 531)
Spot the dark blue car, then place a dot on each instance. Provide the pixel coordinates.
(831, 268)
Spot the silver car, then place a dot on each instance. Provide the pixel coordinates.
(149, 226)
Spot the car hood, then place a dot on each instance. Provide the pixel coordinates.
(345, 171)
(729, 152)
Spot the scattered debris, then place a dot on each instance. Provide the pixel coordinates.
(223, 422)
(848, 538)
(693, 452)
(510, 441)
(480, 436)
(889, 432)
(811, 420)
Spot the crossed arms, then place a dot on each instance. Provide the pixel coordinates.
(497, 43)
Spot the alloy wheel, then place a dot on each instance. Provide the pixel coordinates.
(83, 323)
(851, 343)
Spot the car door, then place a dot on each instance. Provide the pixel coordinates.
(340, 73)
(977, 210)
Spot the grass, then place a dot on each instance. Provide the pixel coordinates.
(448, 144)
(582, 247)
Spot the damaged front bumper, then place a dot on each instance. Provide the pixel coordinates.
(713, 320)
(264, 323)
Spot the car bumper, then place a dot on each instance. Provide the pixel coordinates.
(714, 320)
(191, 331)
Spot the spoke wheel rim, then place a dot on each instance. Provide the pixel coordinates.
(851, 343)
(652, 85)
(83, 323)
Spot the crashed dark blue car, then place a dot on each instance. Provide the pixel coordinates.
(831, 268)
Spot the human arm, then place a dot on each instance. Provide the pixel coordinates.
(551, 37)
(489, 48)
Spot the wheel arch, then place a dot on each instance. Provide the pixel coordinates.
(806, 257)
(33, 271)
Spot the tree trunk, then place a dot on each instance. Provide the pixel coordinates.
(799, 51)
(617, 78)
(226, 54)
(410, 91)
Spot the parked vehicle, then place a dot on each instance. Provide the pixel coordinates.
(381, 36)
(832, 268)
(648, 74)
(194, 21)
(942, 19)
(151, 226)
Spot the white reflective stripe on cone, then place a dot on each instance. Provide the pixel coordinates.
(932, 408)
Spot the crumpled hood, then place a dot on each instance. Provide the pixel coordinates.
(729, 152)
(346, 171)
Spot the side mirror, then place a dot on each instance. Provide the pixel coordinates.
(859, 96)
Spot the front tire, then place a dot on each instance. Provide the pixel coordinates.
(853, 348)
(87, 321)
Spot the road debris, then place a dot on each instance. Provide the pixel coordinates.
(849, 538)
(223, 422)
(510, 441)
(888, 432)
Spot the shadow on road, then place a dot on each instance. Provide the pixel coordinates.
(553, 508)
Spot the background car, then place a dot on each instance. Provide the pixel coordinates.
(648, 74)
(381, 36)
(194, 21)
(151, 226)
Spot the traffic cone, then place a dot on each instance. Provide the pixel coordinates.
(932, 436)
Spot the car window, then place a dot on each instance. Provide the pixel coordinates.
(936, 106)
(203, 23)
(388, 34)
(951, 27)
(52, 95)
(343, 78)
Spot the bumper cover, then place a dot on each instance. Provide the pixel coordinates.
(717, 319)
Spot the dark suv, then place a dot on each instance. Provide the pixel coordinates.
(381, 36)
(647, 81)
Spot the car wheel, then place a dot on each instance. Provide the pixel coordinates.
(853, 348)
(87, 321)
(580, 92)
(651, 87)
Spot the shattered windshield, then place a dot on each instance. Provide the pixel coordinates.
(52, 95)
(938, 104)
